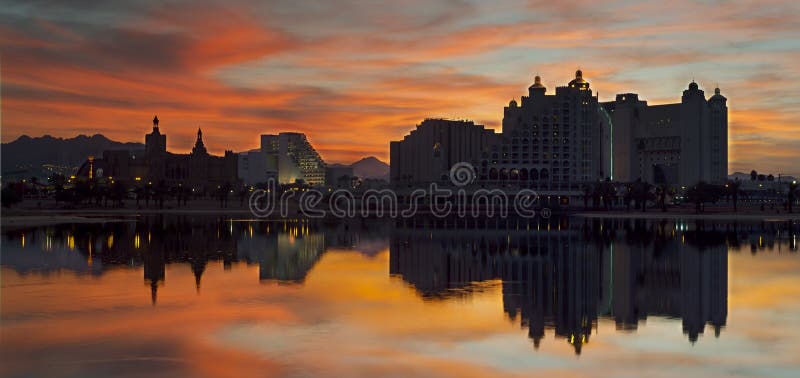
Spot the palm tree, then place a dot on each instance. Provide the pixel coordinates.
(628, 196)
(641, 193)
(734, 189)
(608, 192)
(661, 194)
(646, 194)
(587, 192)
(702, 193)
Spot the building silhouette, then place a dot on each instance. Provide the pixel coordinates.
(550, 142)
(198, 170)
(556, 143)
(681, 143)
(252, 167)
(339, 176)
(426, 154)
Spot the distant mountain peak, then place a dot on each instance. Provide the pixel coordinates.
(372, 168)
(369, 158)
(26, 155)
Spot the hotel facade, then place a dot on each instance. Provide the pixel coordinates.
(286, 157)
(679, 143)
(557, 143)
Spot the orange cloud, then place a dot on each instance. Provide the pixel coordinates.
(366, 75)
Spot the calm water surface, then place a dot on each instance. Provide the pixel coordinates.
(216, 296)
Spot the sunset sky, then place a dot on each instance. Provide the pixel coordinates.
(354, 74)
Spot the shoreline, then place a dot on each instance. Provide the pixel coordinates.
(692, 216)
(42, 217)
(14, 221)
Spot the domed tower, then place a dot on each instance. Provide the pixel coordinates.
(578, 82)
(717, 97)
(199, 147)
(718, 133)
(155, 143)
(537, 89)
(693, 91)
(695, 137)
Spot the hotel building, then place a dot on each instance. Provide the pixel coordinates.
(676, 144)
(427, 153)
(556, 143)
(289, 157)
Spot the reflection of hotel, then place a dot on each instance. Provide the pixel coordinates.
(550, 280)
(285, 251)
(558, 277)
(561, 278)
(557, 142)
(286, 256)
(676, 280)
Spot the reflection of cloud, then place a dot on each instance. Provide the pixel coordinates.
(350, 318)
(378, 70)
(56, 259)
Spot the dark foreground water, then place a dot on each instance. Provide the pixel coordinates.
(215, 296)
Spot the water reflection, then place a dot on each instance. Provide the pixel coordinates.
(560, 278)
(557, 276)
(285, 251)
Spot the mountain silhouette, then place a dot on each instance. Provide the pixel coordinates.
(26, 156)
(368, 168)
(371, 168)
